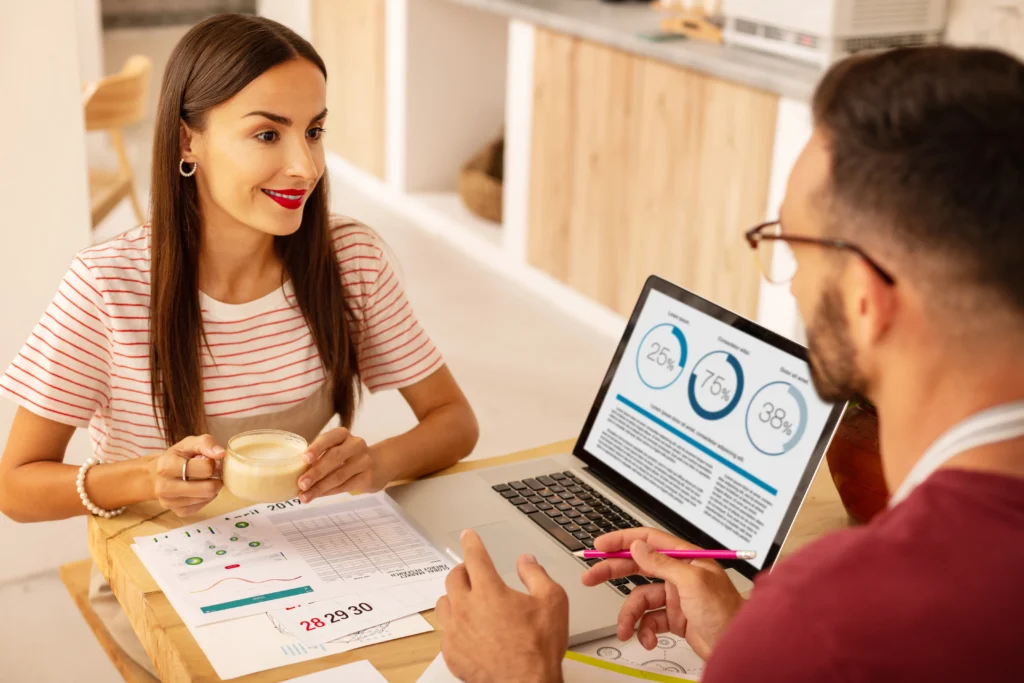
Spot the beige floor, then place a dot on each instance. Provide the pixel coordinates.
(529, 372)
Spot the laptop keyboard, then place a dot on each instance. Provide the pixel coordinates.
(573, 513)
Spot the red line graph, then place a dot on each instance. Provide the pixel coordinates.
(239, 578)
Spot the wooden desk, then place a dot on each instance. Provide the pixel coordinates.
(177, 656)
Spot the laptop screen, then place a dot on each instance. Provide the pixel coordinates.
(710, 418)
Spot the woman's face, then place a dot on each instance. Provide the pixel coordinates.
(260, 154)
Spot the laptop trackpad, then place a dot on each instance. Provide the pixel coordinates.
(505, 542)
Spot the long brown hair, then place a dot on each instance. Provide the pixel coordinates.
(214, 61)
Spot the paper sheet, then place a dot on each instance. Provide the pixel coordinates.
(217, 570)
(362, 544)
(356, 672)
(322, 622)
(251, 644)
(672, 657)
(273, 556)
(610, 661)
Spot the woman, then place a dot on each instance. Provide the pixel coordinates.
(242, 305)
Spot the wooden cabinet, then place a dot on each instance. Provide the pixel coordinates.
(349, 35)
(639, 167)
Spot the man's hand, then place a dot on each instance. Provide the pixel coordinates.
(696, 602)
(494, 633)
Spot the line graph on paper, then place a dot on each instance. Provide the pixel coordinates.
(244, 580)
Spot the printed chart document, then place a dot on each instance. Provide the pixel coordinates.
(610, 661)
(327, 620)
(244, 646)
(269, 557)
(672, 659)
(247, 580)
(216, 570)
(360, 544)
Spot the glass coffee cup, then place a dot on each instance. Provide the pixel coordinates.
(264, 465)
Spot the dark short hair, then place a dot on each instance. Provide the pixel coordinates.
(927, 148)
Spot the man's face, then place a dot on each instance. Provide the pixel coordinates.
(818, 284)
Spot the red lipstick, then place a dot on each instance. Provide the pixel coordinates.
(289, 199)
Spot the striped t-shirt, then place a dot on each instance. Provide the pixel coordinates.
(87, 361)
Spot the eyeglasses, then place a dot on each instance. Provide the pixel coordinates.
(776, 259)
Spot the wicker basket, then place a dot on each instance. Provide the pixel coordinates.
(480, 181)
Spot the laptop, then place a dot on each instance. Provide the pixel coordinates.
(706, 426)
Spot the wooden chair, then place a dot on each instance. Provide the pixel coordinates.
(75, 576)
(111, 104)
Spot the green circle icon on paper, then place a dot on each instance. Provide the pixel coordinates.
(222, 552)
(213, 547)
(234, 538)
(254, 544)
(241, 525)
(192, 561)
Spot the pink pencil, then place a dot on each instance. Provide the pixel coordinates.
(677, 554)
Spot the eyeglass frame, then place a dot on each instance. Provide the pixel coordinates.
(756, 235)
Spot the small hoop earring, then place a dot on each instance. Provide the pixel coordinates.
(188, 174)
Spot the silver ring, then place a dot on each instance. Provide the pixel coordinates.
(184, 467)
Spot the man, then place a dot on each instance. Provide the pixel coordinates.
(905, 215)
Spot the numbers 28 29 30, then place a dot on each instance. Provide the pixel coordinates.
(337, 615)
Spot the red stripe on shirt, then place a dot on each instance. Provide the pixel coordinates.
(259, 384)
(257, 362)
(433, 366)
(390, 351)
(42, 407)
(401, 369)
(88, 410)
(66, 367)
(272, 393)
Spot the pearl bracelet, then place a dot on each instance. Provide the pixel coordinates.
(89, 505)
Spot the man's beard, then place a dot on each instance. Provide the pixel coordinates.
(833, 358)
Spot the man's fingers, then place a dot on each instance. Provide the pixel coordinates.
(482, 573)
(651, 624)
(623, 539)
(457, 582)
(536, 578)
(676, 618)
(607, 570)
(442, 610)
(325, 442)
(653, 563)
(642, 599)
(199, 445)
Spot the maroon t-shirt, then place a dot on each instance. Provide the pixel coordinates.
(930, 591)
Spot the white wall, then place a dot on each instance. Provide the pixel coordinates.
(994, 23)
(295, 14)
(454, 58)
(777, 309)
(43, 166)
(89, 28)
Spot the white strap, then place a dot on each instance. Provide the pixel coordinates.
(1001, 423)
